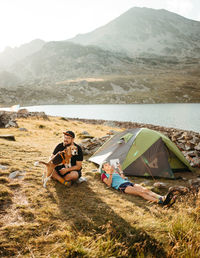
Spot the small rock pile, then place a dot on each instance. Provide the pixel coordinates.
(8, 118)
(91, 144)
(189, 144)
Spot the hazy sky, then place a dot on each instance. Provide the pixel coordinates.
(24, 20)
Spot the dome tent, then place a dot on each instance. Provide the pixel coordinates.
(143, 152)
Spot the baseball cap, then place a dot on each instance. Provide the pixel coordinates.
(70, 133)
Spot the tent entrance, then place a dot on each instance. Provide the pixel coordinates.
(153, 162)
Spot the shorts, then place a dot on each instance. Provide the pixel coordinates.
(60, 167)
(123, 186)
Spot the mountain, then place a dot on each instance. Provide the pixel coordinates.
(61, 60)
(143, 56)
(68, 73)
(147, 32)
(12, 55)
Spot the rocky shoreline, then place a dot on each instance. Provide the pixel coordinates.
(187, 141)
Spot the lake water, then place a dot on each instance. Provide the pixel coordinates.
(182, 116)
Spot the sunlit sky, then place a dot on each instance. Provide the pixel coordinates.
(22, 21)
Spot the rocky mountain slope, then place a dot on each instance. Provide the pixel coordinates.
(64, 72)
(149, 32)
(58, 61)
(12, 55)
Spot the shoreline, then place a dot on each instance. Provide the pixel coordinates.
(187, 141)
(168, 121)
(127, 125)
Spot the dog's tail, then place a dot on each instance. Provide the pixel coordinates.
(40, 162)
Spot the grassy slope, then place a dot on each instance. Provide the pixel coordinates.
(87, 220)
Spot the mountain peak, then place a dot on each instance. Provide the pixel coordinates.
(145, 31)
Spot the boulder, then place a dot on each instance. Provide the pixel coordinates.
(8, 119)
(197, 147)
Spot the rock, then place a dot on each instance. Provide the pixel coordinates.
(7, 119)
(160, 185)
(194, 185)
(110, 123)
(197, 147)
(14, 174)
(195, 140)
(85, 133)
(17, 174)
(8, 137)
(23, 129)
(191, 153)
(3, 167)
(195, 181)
(89, 145)
(189, 146)
(23, 112)
(195, 162)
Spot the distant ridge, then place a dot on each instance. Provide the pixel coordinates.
(147, 32)
(12, 55)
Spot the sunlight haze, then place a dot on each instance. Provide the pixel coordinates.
(22, 21)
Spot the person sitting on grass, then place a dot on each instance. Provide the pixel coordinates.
(67, 175)
(115, 178)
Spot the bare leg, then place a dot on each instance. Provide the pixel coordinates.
(57, 177)
(72, 176)
(143, 192)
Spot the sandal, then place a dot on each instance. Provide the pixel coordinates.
(172, 201)
(168, 197)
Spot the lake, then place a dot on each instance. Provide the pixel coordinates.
(182, 116)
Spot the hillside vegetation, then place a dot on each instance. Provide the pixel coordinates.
(88, 219)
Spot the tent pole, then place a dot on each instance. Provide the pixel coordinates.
(147, 167)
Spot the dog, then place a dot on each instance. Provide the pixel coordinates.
(63, 157)
(72, 151)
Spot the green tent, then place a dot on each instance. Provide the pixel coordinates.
(143, 152)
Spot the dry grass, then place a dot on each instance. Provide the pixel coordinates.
(86, 220)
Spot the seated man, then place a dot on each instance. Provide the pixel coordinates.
(65, 174)
(116, 179)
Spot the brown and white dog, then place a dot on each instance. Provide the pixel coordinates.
(62, 157)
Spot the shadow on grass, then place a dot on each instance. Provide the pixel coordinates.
(92, 217)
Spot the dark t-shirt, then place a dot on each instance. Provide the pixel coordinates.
(79, 157)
